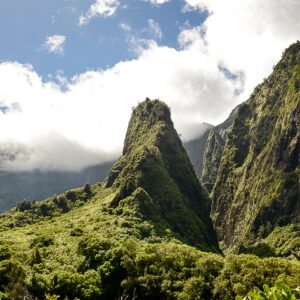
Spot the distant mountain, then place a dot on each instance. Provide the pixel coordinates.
(196, 149)
(38, 185)
(256, 197)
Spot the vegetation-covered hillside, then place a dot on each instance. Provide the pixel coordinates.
(156, 172)
(124, 239)
(76, 245)
(256, 198)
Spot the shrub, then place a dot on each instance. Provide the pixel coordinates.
(76, 231)
(278, 292)
(5, 252)
(42, 241)
(24, 205)
(87, 188)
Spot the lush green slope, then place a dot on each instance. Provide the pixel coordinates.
(257, 188)
(155, 170)
(94, 251)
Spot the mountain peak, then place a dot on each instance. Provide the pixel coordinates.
(155, 166)
(146, 115)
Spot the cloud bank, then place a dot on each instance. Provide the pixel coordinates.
(85, 122)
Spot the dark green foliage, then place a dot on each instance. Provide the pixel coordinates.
(87, 188)
(42, 241)
(36, 257)
(77, 231)
(257, 186)
(11, 280)
(24, 205)
(5, 252)
(285, 239)
(241, 273)
(278, 292)
(260, 249)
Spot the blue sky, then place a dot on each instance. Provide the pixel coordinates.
(99, 44)
(71, 71)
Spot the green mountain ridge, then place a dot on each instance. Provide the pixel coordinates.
(257, 187)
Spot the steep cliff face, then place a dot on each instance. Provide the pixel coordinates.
(211, 160)
(155, 173)
(257, 187)
(196, 148)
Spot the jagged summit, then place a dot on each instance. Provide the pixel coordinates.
(156, 174)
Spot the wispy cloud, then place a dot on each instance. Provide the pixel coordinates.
(154, 29)
(55, 44)
(125, 27)
(104, 8)
(157, 2)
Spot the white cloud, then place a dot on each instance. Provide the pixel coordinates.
(104, 8)
(249, 36)
(193, 39)
(86, 122)
(125, 27)
(157, 2)
(55, 44)
(93, 113)
(154, 29)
